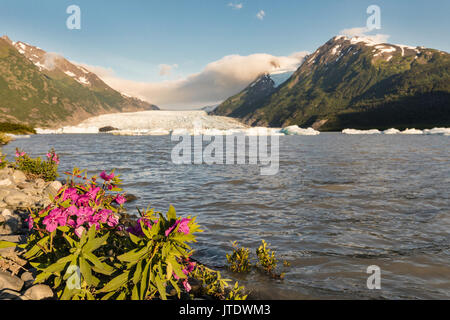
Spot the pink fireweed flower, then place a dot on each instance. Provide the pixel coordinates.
(183, 223)
(49, 155)
(79, 231)
(83, 200)
(106, 177)
(112, 221)
(120, 199)
(70, 193)
(93, 193)
(20, 154)
(30, 221)
(189, 268)
(187, 286)
(53, 219)
(83, 215)
(103, 215)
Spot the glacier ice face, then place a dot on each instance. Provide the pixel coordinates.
(159, 122)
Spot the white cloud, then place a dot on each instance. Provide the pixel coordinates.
(166, 69)
(236, 6)
(50, 60)
(261, 14)
(216, 82)
(362, 32)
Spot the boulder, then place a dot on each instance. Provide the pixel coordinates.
(8, 281)
(5, 182)
(53, 188)
(107, 129)
(39, 183)
(17, 199)
(8, 294)
(39, 292)
(19, 176)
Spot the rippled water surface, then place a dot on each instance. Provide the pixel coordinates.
(338, 205)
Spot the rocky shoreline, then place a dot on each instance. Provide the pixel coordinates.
(19, 195)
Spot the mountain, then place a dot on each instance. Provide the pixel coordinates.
(252, 96)
(44, 89)
(357, 83)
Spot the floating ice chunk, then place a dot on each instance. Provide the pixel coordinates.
(391, 131)
(296, 130)
(439, 131)
(355, 131)
(412, 131)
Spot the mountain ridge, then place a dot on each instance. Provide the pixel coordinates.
(45, 89)
(358, 83)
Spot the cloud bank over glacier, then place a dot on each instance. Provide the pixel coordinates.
(216, 82)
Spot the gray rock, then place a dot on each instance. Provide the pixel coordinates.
(39, 292)
(53, 188)
(12, 222)
(4, 192)
(39, 183)
(8, 294)
(19, 176)
(27, 277)
(5, 182)
(8, 281)
(17, 199)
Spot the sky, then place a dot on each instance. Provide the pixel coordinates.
(188, 54)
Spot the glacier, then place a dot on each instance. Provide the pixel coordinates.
(161, 122)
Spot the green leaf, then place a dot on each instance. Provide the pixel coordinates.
(171, 214)
(135, 293)
(161, 287)
(133, 255)
(86, 271)
(138, 272)
(35, 250)
(7, 244)
(116, 283)
(95, 243)
(99, 266)
(144, 280)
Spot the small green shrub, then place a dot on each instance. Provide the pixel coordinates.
(16, 128)
(238, 260)
(266, 257)
(36, 167)
(4, 139)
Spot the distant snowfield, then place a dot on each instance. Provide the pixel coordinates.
(159, 122)
(438, 131)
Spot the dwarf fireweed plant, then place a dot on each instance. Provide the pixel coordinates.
(238, 260)
(36, 167)
(85, 250)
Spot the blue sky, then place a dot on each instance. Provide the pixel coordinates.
(134, 38)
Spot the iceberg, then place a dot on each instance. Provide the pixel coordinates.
(296, 130)
(355, 131)
(412, 131)
(439, 131)
(391, 131)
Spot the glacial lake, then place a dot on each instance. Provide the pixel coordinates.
(339, 204)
